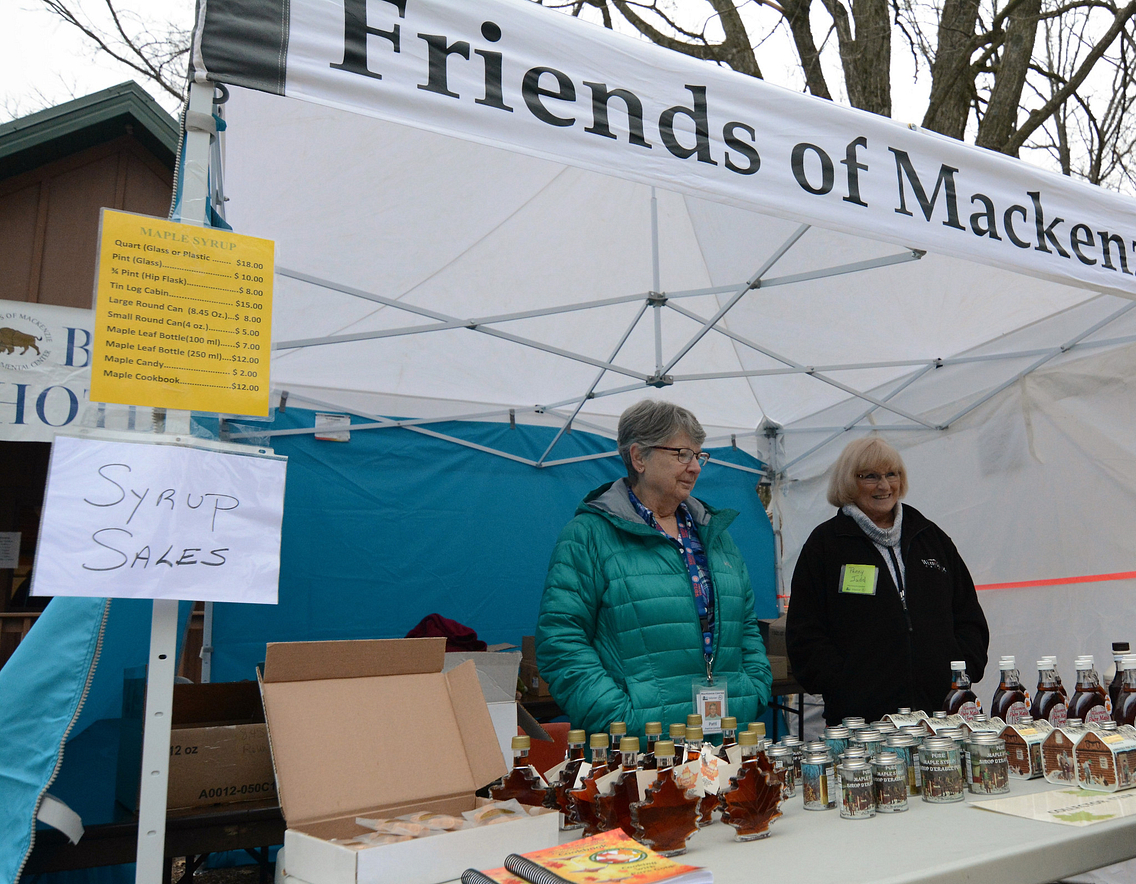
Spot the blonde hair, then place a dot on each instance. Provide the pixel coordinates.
(870, 454)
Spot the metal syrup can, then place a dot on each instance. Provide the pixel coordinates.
(942, 776)
(856, 801)
(907, 748)
(836, 736)
(781, 757)
(870, 739)
(798, 749)
(817, 775)
(988, 770)
(959, 736)
(889, 782)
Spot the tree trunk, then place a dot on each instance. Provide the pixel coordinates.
(952, 79)
(866, 56)
(1000, 121)
(797, 15)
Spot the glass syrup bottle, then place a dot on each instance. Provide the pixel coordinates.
(1119, 649)
(617, 730)
(521, 783)
(584, 798)
(1124, 709)
(1010, 703)
(615, 809)
(668, 814)
(753, 799)
(694, 753)
(1057, 677)
(653, 730)
(1048, 704)
(560, 791)
(961, 700)
(1090, 701)
(729, 736)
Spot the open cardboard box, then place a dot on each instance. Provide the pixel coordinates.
(376, 729)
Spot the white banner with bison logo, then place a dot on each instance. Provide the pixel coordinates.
(45, 369)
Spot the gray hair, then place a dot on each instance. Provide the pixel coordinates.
(653, 422)
(870, 453)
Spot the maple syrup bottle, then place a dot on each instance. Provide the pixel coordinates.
(521, 783)
(961, 700)
(1057, 678)
(668, 814)
(1090, 701)
(694, 753)
(615, 809)
(653, 731)
(560, 791)
(1048, 704)
(1119, 649)
(753, 799)
(1010, 701)
(618, 730)
(729, 736)
(677, 734)
(584, 798)
(1124, 709)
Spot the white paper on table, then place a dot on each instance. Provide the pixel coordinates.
(1069, 807)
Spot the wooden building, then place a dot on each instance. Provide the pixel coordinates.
(58, 168)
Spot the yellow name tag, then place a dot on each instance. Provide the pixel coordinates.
(858, 579)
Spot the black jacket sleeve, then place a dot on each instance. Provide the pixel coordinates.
(816, 661)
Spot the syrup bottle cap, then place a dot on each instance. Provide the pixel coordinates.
(618, 727)
(577, 736)
(629, 744)
(522, 742)
(694, 720)
(677, 730)
(693, 733)
(729, 723)
(598, 741)
(664, 749)
(653, 727)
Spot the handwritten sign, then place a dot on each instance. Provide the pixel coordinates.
(148, 520)
(858, 579)
(183, 317)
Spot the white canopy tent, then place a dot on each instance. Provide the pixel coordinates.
(472, 220)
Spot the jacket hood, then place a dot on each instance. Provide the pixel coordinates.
(611, 500)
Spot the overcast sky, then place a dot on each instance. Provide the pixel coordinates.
(44, 62)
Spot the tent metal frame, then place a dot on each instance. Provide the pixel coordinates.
(568, 411)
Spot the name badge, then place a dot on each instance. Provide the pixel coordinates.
(859, 579)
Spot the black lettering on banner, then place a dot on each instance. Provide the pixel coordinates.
(746, 150)
(1043, 232)
(494, 95)
(1106, 241)
(355, 33)
(701, 128)
(945, 183)
(438, 57)
(601, 95)
(533, 92)
(1008, 225)
(1081, 235)
(827, 170)
(853, 165)
(990, 215)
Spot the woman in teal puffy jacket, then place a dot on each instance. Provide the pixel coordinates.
(646, 591)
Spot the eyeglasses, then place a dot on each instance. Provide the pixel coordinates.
(686, 455)
(874, 478)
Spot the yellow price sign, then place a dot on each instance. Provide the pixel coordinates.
(183, 316)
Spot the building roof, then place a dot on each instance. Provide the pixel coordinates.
(51, 134)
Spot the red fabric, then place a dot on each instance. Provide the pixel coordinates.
(458, 636)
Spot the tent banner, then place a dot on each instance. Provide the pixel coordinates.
(45, 369)
(514, 75)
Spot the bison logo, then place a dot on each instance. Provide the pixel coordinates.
(10, 339)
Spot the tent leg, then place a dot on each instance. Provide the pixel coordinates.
(156, 744)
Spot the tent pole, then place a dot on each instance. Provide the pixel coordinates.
(656, 284)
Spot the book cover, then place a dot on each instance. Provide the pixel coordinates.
(608, 858)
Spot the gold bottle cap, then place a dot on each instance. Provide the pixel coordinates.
(758, 727)
(598, 741)
(747, 738)
(617, 727)
(664, 749)
(522, 743)
(729, 723)
(694, 720)
(653, 727)
(693, 733)
(629, 744)
(577, 736)
(677, 730)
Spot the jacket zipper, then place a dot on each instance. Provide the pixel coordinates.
(63, 742)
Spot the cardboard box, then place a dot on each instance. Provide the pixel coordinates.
(528, 649)
(218, 745)
(497, 675)
(773, 634)
(535, 686)
(779, 667)
(376, 729)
